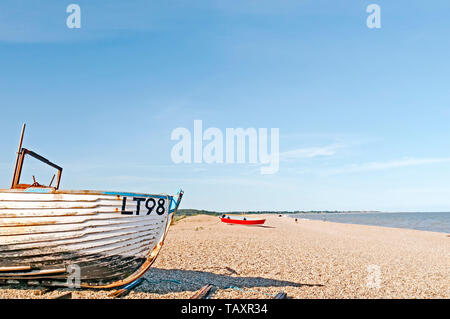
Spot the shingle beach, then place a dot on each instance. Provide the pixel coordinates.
(305, 259)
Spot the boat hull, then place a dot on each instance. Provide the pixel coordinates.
(85, 238)
(242, 221)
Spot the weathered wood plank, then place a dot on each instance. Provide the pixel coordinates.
(203, 292)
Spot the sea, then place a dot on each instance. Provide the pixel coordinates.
(435, 222)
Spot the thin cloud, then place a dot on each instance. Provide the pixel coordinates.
(310, 152)
(213, 180)
(377, 166)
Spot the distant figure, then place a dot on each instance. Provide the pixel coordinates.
(279, 215)
(245, 218)
(296, 220)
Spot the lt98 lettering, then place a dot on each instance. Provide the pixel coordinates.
(150, 205)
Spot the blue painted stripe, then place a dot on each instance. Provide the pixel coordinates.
(136, 195)
(39, 190)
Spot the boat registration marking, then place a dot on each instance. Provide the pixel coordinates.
(144, 206)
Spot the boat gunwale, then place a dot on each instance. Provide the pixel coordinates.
(46, 190)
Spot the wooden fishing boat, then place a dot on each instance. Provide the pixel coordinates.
(91, 239)
(240, 220)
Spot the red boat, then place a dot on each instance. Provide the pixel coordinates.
(241, 220)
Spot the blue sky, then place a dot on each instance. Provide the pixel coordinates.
(363, 113)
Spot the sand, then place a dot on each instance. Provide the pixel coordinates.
(308, 259)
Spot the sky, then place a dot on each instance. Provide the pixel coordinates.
(362, 113)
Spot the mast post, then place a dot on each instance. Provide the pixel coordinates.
(18, 155)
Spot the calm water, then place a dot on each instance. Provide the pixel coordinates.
(437, 222)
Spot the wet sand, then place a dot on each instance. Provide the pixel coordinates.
(308, 259)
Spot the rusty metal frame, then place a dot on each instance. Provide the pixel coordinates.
(19, 166)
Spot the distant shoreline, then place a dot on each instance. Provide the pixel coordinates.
(435, 222)
(191, 212)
